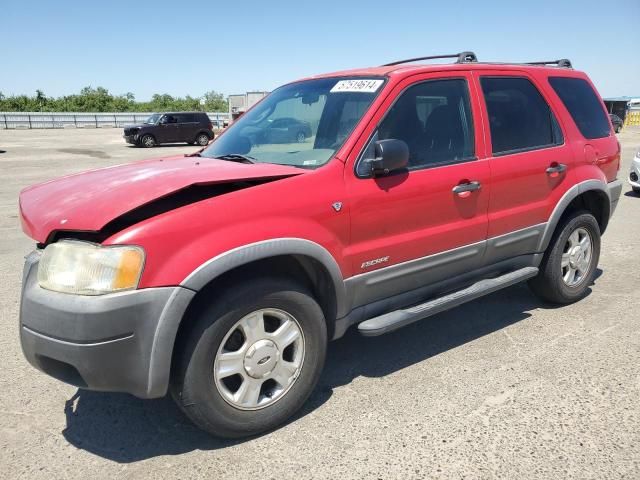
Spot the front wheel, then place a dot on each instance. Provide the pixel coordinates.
(300, 137)
(148, 141)
(569, 264)
(248, 365)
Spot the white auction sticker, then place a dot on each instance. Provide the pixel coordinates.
(359, 85)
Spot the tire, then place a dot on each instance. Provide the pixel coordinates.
(618, 129)
(300, 137)
(554, 282)
(202, 139)
(148, 141)
(208, 399)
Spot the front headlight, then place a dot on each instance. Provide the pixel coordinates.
(84, 268)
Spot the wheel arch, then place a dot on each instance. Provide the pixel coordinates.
(591, 195)
(206, 132)
(300, 259)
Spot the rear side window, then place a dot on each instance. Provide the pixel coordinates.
(583, 105)
(184, 117)
(519, 117)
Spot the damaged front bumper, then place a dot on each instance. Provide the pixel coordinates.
(120, 342)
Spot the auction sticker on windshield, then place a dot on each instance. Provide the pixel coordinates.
(360, 85)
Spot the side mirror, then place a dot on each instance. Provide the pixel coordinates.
(391, 155)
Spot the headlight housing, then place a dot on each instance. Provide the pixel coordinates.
(84, 268)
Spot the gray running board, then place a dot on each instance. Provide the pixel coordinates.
(399, 318)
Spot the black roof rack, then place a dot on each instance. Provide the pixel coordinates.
(470, 57)
(562, 63)
(462, 57)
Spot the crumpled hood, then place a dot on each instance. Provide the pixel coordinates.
(88, 201)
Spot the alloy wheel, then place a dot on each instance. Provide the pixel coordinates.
(259, 359)
(576, 257)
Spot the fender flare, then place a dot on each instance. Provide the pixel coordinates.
(567, 198)
(245, 254)
(174, 311)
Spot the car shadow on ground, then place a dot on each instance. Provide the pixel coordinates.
(631, 193)
(165, 145)
(125, 429)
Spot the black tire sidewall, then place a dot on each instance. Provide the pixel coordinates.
(200, 398)
(147, 146)
(564, 292)
(200, 135)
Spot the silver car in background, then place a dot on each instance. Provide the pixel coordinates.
(634, 175)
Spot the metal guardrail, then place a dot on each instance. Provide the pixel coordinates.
(27, 120)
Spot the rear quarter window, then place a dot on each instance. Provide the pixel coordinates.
(584, 106)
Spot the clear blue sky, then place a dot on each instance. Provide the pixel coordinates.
(182, 47)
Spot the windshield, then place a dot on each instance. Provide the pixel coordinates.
(153, 118)
(302, 124)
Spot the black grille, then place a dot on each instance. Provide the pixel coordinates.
(130, 131)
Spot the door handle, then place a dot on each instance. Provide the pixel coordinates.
(556, 169)
(463, 190)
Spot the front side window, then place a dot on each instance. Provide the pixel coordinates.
(301, 124)
(434, 119)
(153, 119)
(583, 105)
(519, 117)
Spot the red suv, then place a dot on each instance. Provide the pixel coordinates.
(221, 276)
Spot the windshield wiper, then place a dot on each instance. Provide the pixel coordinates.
(236, 157)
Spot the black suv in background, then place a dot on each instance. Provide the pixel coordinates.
(175, 127)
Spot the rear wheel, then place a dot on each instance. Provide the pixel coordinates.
(570, 262)
(300, 137)
(202, 139)
(148, 141)
(248, 365)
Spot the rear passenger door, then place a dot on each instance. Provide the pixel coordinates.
(529, 161)
(186, 127)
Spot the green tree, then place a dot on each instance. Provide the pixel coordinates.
(215, 102)
(99, 99)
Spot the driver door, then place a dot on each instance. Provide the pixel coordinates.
(413, 228)
(167, 129)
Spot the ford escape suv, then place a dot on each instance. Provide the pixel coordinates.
(220, 276)
(188, 127)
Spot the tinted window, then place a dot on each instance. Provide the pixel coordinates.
(519, 117)
(434, 119)
(583, 105)
(187, 117)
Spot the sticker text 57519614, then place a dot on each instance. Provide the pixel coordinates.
(360, 85)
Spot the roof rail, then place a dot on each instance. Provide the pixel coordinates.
(562, 63)
(462, 57)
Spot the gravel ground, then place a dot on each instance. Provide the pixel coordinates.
(503, 387)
